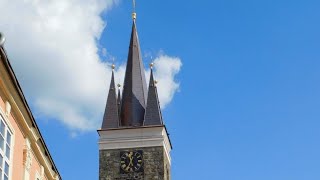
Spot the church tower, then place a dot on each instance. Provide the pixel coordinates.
(134, 143)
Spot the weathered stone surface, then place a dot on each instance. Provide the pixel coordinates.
(156, 165)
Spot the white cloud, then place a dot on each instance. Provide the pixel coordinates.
(53, 48)
(166, 68)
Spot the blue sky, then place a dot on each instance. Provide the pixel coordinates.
(249, 98)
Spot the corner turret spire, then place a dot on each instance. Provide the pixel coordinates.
(153, 112)
(111, 114)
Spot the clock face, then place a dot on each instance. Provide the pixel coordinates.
(131, 161)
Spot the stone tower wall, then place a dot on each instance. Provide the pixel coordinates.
(156, 165)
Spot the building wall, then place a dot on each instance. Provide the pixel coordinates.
(35, 169)
(18, 146)
(17, 139)
(167, 167)
(18, 155)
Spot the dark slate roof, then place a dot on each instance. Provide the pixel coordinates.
(153, 112)
(135, 88)
(111, 116)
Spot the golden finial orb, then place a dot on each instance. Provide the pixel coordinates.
(113, 66)
(119, 85)
(151, 65)
(134, 16)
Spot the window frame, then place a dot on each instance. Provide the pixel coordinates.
(8, 129)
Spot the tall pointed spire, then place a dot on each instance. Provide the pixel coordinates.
(111, 113)
(119, 100)
(135, 88)
(153, 112)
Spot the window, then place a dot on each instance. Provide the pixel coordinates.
(5, 150)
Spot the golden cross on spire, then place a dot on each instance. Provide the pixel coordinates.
(134, 5)
(134, 14)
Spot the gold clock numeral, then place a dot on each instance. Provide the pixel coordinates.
(127, 169)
